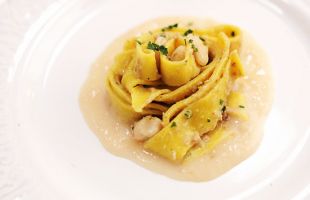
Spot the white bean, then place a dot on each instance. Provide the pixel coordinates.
(146, 128)
(161, 40)
(201, 54)
(178, 53)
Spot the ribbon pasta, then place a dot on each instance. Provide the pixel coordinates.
(185, 78)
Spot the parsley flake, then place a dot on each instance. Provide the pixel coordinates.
(189, 31)
(173, 124)
(194, 48)
(156, 47)
(163, 50)
(188, 114)
(138, 42)
(221, 101)
(224, 109)
(201, 39)
(241, 106)
(152, 46)
(170, 27)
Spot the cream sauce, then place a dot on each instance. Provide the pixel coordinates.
(115, 134)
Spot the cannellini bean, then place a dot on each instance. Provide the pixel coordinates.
(161, 40)
(146, 128)
(201, 55)
(178, 53)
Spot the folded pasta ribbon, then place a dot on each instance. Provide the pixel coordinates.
(185, 77)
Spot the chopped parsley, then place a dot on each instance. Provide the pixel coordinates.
(163, 50)
(162, 35)
(138, 42)
(194, 48)
(190, 41)
(224, 109)
(185, 41)
(156, 47)
(221, 101)
(189, 31)
(241, 106)
(173, 124)
(209, 120)
(170, 27)
(188, 114)
(152, 46)
(201, 39)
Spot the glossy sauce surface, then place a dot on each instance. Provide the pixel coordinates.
(115, 134)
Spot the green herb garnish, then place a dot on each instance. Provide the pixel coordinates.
(201, 39)
(156, 47)
(138, 42)
(241, 106)
(221, 101)
(188, 114)
(173, 124)
(163, 50)
(194, 48)
(152, 46)
(170, 27)
(223, 109)
(190, 41)
(189, 31)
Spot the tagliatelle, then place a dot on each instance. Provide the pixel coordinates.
(205, 114)
(185, 77)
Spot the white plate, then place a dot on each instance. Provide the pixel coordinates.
(46, 148)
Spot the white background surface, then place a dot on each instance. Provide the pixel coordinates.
(47, 150)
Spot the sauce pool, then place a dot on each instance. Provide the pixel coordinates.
(115, 134)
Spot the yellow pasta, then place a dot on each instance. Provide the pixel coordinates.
(186, 70)
(218, 135)
(141, 96)
(185, 78)
(236, 105)
(146, 64)
(181, 134)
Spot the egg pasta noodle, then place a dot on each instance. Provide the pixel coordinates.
(185, 78)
